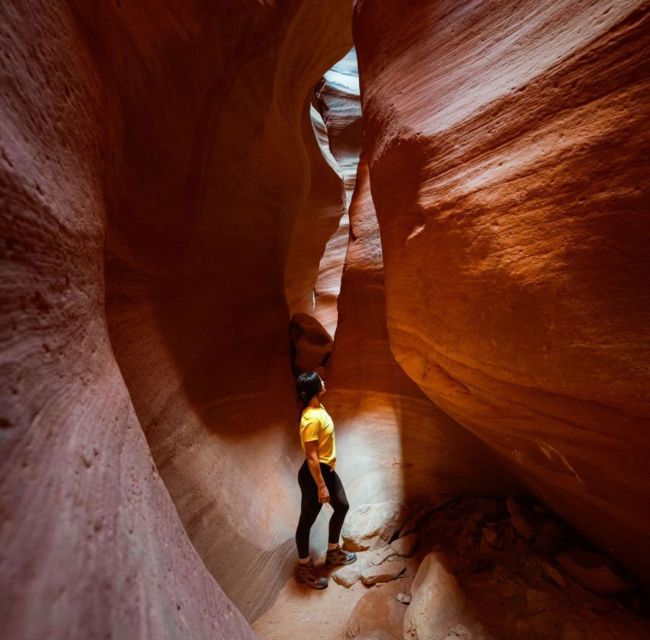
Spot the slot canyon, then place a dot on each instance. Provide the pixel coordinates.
(440, 206)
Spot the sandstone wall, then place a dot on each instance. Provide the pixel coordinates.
(507, 155)
(392, 441)
(154, 162)
(203, 206)
(91, 545)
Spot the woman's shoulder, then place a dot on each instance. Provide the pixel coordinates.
(313, 413)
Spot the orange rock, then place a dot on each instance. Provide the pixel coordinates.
(508, 168)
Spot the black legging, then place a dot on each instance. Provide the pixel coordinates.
(310, 506)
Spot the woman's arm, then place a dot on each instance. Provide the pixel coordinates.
(311, 451)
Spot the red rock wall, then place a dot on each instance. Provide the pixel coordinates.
(153, 164)
(507, 148)
(392, 441)
(206, 198)
(91, 545)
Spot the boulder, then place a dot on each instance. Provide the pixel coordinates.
(378, 612)
(550, 540)
(593, 571)
(554, 575)
(405, 546)
(348, 575)
(376, 634)
(372, 524)
(523, 522)
(438, 608)
(383, 573)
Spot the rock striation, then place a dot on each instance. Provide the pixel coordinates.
(154, 161)
(506, 152)
(394, 443)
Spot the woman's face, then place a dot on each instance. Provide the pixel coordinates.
(322, 391)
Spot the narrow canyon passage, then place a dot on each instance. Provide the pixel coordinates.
(200, 200)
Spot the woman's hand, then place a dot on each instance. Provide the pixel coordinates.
(323, 494)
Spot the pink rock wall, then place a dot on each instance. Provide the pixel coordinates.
(91, 545)
(507, 155)
(206, 199)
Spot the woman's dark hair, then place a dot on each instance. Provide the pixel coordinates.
(307, 386)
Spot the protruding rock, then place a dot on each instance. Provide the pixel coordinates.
(404, 598)
(593, 571)
(348, 575)
(405, 546)
(311, 343)
(375, 634)
(523, 523)
(438, 607)
(550, 540)
(372, 524)
(554, 575)
(380, 555)
(378, 612)
(537, 601)
(383, 573)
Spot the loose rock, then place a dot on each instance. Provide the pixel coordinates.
(405, 546)
(592, 570)
(438, 607)
(370, 525)
(348, 575)
(550, 540)
(378, 612)
(554, 575)
(383, 573)
(521, 521)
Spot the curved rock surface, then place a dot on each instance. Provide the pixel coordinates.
(168, 138)
(91, 544)
(208, 197)
(393, 443)
(507, 154)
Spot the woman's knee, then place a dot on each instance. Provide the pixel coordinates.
(341, 506)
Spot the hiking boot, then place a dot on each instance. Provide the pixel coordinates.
(338, 556)
(307, 574)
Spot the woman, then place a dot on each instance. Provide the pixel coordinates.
(318, 481)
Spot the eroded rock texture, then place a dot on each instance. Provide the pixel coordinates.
(507, 156)
(202, 222)
(393, 442)
(339, 101)
(172, 137)
(91, 544)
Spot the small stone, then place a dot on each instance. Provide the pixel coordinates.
(550, 540)
(376, 634)
(380, 555)
(525, 525)
(554, 575)
(522, 630)
(593, 571)
(405, 546)
(402, 597)
(347, 575)
(492, 536)
(538, 601)
(383, 573)
(571, 632)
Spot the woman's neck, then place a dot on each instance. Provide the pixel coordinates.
(314, 403)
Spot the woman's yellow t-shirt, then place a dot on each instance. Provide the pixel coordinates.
(316, 424)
